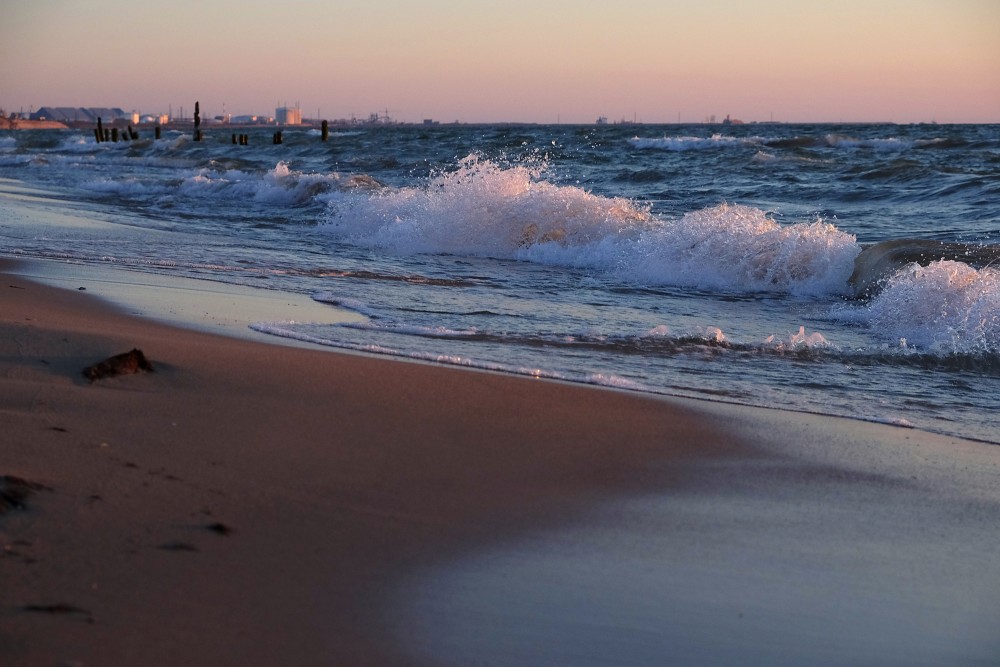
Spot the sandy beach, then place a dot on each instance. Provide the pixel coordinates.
(250, 503)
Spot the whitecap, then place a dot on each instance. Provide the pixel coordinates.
(947, 307)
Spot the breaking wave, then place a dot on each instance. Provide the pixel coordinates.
(947, 307)
(484, 209)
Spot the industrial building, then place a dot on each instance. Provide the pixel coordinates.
(81, 115)
(288, 116)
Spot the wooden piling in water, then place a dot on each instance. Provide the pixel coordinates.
(99, 130)
(156, 132)
(197, 122)
(326, 130)
(114, 134)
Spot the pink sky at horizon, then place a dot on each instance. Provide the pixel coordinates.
(541, 61)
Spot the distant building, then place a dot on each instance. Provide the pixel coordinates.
(251, 120)
(80, 114)
(288, 115)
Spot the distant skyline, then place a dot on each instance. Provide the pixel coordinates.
(543, 61)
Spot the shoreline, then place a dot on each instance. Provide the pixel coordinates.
(228, 309)
(256, 502)
(403, 461)
(201, 305)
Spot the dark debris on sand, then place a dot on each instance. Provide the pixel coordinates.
(60, 609)
(14, 492)
(126, 363)
(177, 546)
(219, 528)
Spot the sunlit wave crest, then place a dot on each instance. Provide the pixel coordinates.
(485, 209)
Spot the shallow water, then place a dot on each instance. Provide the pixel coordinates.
(778, 561)
(703, 261)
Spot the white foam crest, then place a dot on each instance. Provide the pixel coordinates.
(128, 187)
(797, 341)
(77, 143)
(686, 143)
(764, 157)
(485, 210)
(740, 247)
(890, 421)
(47, 159)
(286, 330)
(279, 186)
(181, 140)
(947, 307)
(879, 144)
(480, 209)
(348, 303)
(615, 382)
(8, 143)
(713, 334)
(412, 329)
(659, 331)
(708, 334)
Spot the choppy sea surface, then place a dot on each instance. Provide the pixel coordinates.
(700, 261)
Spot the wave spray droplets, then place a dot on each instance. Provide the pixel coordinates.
(947, 307)
(480, 209)
(484, 210)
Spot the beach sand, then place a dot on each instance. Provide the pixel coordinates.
(262, 504)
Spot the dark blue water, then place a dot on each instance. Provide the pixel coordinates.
(703, 261)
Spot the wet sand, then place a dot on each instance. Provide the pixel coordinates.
(255, 503)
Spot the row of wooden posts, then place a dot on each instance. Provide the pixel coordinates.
(102, 133)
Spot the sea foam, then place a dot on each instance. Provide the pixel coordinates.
(280, 186)
(945, 307)
(687, 143)
(484, 209)
(479, 209)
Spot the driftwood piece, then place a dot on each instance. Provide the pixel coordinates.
(120, 364)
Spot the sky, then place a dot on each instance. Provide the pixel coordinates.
(544, 61)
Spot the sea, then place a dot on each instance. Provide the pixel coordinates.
(707, 261)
